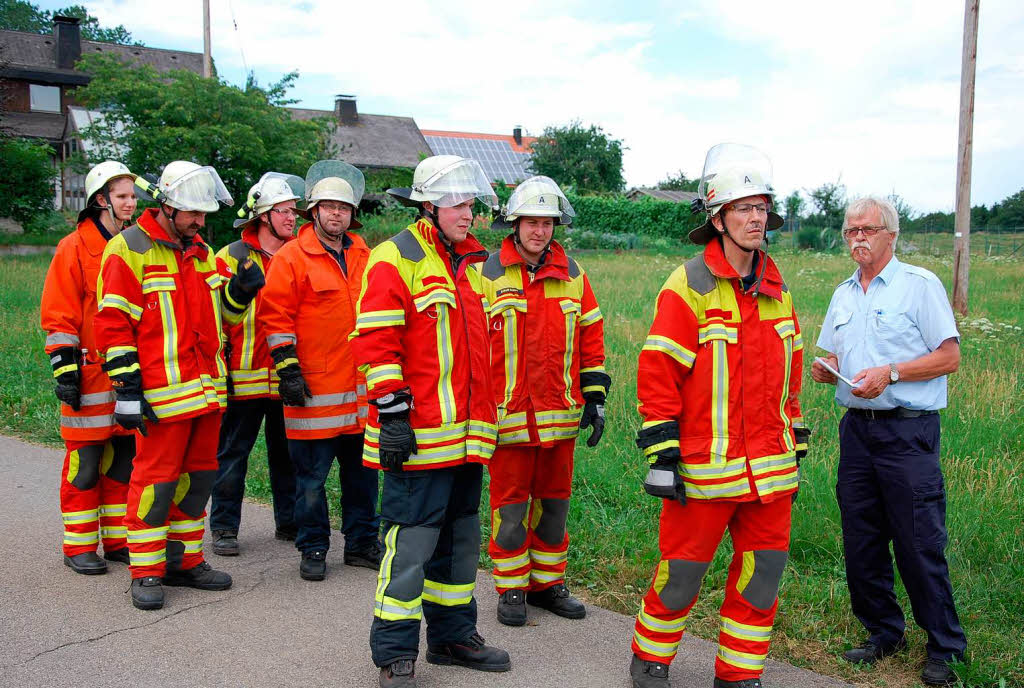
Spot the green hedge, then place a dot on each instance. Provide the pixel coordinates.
(646, 217)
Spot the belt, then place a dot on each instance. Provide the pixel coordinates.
(898, 412)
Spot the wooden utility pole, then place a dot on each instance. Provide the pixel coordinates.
(206, 40)
(962, 225)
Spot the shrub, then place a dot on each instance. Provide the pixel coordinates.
(27, 178)
(646, 217)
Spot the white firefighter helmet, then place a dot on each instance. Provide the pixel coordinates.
(733, 171)
(190, 187)
(271, 189)
(446, 181)
(98, 178)
(539, 197)
(334, 180)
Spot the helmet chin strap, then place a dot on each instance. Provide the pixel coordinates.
(319, 227)
(273, 230)
(724, 232)
(543, 254)
(436, 221)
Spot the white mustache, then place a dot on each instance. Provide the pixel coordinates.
(860, 244)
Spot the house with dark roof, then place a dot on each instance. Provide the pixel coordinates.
(505, 158)
(37, 74)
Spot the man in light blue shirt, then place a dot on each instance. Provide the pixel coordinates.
(890, 331)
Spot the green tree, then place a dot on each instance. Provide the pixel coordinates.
(27, 176)
(678, 182)
(583, 157)
(1009, 212)
(829, 202)
(19, 15)
(152, 118)
(904, 211)
(794, 205)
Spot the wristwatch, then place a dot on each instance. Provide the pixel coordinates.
(894, 375)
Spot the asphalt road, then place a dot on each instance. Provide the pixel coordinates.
(58, 628)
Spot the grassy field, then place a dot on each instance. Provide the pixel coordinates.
(614, 524)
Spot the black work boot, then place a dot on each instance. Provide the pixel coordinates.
(286, 533)
(557, 600)
(313, 566)
(512, 608)
(472, 653)
(225, 543)
(399, 674)
(88, 563)
(201, 577)
(745, 683)
(869, 653)
(147, 593)
(119, 555)
(647, 674)
(938, 673)
(367, 558)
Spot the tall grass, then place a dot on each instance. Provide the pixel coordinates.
(614, 525)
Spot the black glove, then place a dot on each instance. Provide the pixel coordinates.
(662, 442)
(593, 417)
(801, 435)
(397, 439)
(227, 364)
(247, 280)
(292, 388)
(131, 410)
(67, 370)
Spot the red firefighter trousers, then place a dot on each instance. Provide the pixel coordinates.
(530, 490)
(688, 538)
(93, 492)
(175, 467)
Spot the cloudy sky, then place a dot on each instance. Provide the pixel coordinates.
(864, 92)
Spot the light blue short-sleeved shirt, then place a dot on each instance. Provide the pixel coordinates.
(904, 315)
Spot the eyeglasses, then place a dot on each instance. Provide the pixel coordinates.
(867, 230)
(747, 208)
(284, 212)
(333, 207)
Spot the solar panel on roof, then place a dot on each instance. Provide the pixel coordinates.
(497, 158)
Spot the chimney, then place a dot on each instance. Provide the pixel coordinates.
(67, 39)
(345, 109)
(517, 134)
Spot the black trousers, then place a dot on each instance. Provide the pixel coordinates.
(891, 489)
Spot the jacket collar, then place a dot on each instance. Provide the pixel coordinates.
(92, 237)
(148, 224)
(771, 284)
(556, 263)
(428, 232)
(310, 242)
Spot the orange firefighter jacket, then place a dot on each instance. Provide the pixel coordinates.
(725, 366)
(422, 324)
(544, 332)
(250, 367)
(167, 304)
(310, 303)
(67, 311)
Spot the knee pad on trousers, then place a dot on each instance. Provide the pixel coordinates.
(155, 503)
(465, 548)
(549, 518)
(760, 576)
(678, 581)
(84, 466)
(508, 527)
(193, 491)
(175, 554)
(407, 551)
(118, 458)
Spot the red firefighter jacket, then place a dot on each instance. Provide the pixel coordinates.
(423, 325)
(726, 366)
(67, 311)
(249, 364)
(544, 333)
(309, 302)
(167, 304)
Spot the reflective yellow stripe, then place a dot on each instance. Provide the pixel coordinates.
(714, 471)
(90, 538)
(147, 558)
(370, 320)
(511, 563)
(591, 317)
(520, 580)
(719, 401)
(735, 488)
(717, 331)
(148, 535)
(115, 351)
(787, 343)
(170, 327)
(660, 625)
(447, 594)
(670, 347)
(570, 340)
(742, 660)
(546, 576)
(192, 546)
(390, 609)
(382, 373)
(57, 372)
(445, 356)
(121, 304)
(184, 526)
(549, 558)
(654, 647)
(113, 509)
(72, 517)
(511, 355)
(746, 631)
(113, 532)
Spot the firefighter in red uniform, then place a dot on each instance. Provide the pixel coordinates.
(718, 381)
(421, 336)
(547, 363)
(307, 312)
(267, 222)
(98, 460)
(161, 304)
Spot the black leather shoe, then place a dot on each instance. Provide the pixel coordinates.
(313, 566)
(287, 533)
(87, 563)
(225, 543)
(557, 600)
(472, 653)
(647, 674)
(147, 593)
(745, 683)
(119, 555)
(398, 674)
(938, 673)
(512, 608)
(869, 653)
(367, 558)
(201, 577)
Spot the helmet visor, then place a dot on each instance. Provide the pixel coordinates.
(458, 183)
(200, 190)
(751, 166)
(538, 197)
(335, 168)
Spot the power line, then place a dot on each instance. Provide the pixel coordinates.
(238, 37)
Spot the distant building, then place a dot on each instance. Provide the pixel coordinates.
(504, 158)
(662, 195)
(37, 75)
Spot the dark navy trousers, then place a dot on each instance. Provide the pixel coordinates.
(891, 489)
(238, 432)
